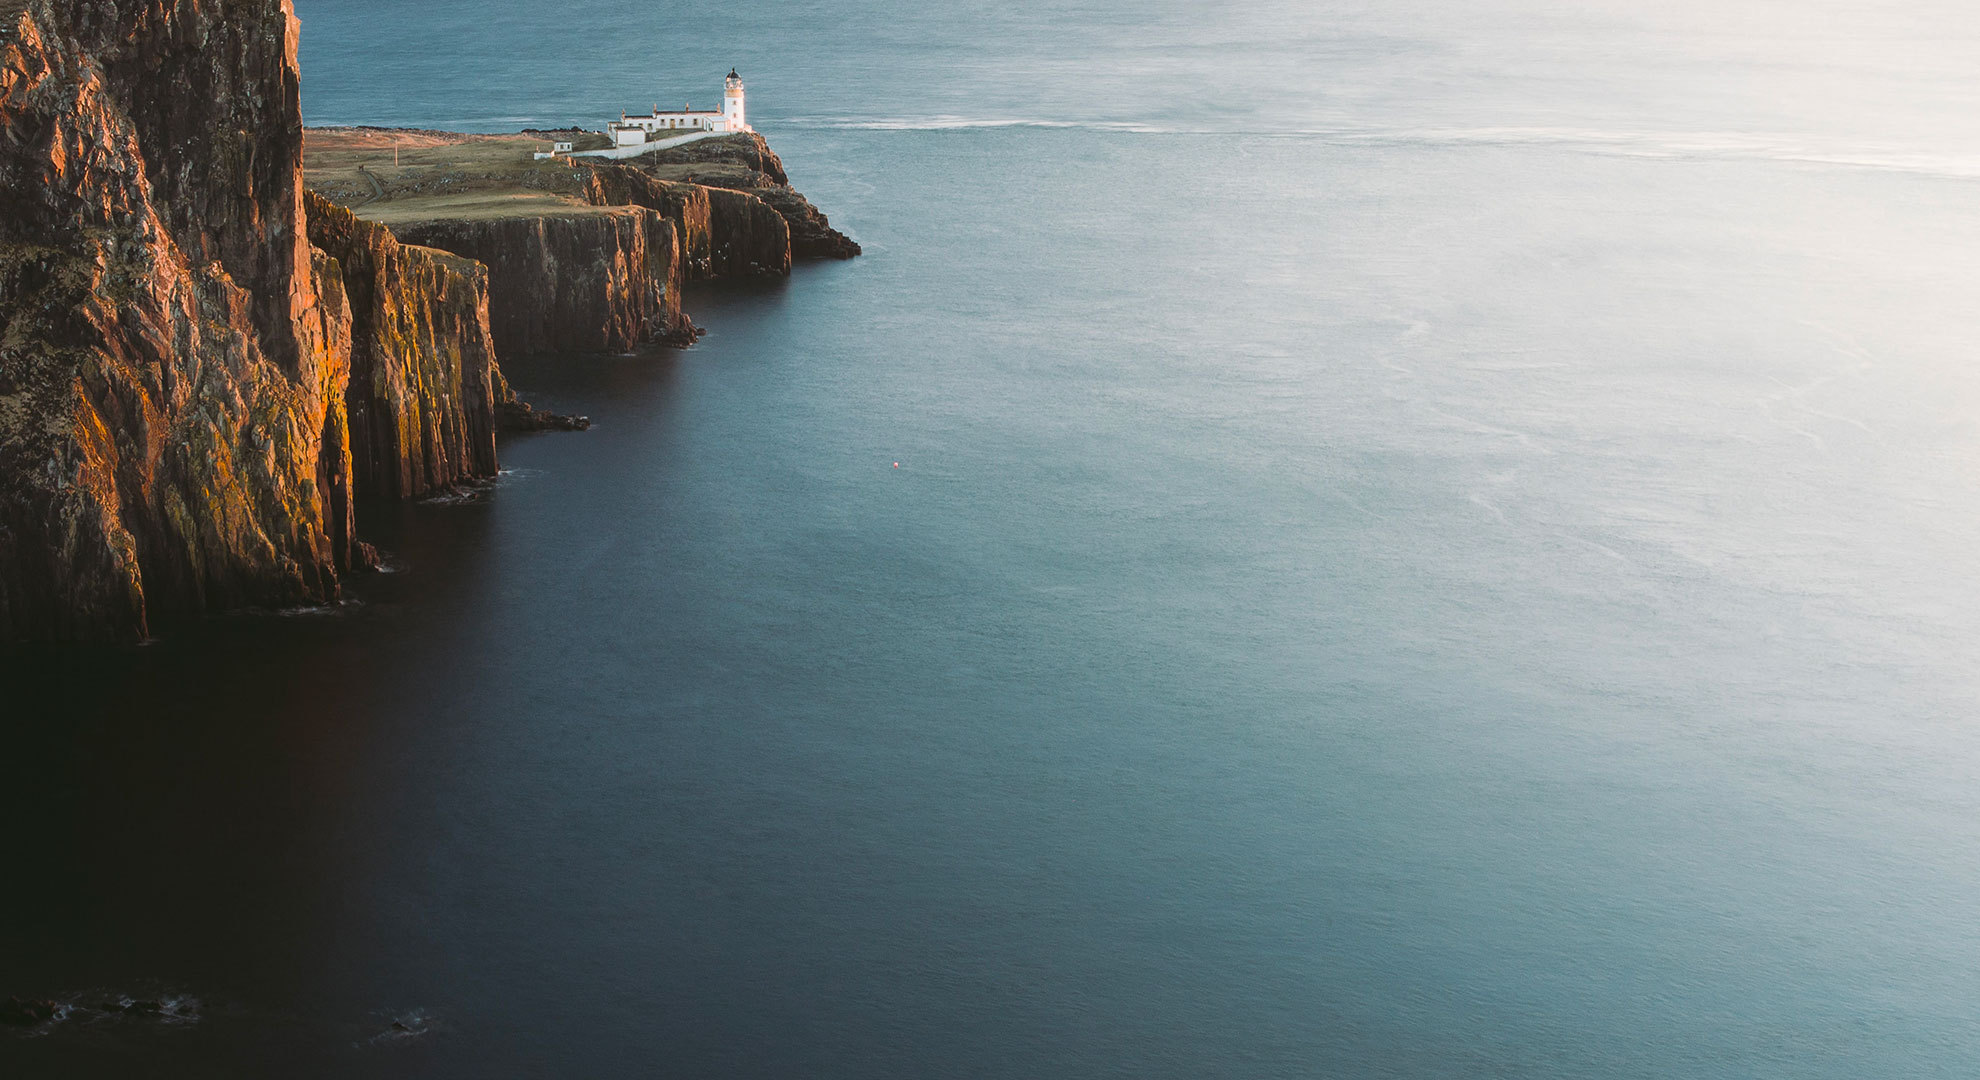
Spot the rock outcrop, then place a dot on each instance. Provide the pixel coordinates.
(593, 279)
(172, 354)
(423, 385)
(745, 163)
(747, 150)
(515, 414)
(723, 234)
(583, 255)
(812, 234)
(607, 276)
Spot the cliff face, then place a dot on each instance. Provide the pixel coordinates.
(812, 234)
(745, 163)
(582, 255)
(592, 280)
(422, 391)
(172, 355)
(748, 238)
(336, 478)
(723, 234)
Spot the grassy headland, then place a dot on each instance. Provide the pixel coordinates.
(444, 174)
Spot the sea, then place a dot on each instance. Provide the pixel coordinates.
(1379, 538)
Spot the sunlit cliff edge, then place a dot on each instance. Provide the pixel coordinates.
(204, 368)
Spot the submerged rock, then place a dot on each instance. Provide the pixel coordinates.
(15, 1012)
(518, 415)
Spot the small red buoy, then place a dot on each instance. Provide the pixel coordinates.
(897, 464)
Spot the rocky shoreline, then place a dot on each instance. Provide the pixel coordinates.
(204, 367)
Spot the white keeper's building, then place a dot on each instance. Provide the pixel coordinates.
(635, 130)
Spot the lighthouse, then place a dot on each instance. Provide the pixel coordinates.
(732, 103)
(632, 134)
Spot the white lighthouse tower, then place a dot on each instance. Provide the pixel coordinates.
(732, 103)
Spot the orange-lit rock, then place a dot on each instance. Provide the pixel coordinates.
(171, 374)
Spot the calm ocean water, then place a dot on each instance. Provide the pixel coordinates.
(1430, 539)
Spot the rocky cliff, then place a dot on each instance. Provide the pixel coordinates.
(423, 383)
(607, 276)
(172, 354)
(745, 163)
(193, 396)
(583, 255)
(723, 233)
(585, 279)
